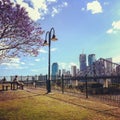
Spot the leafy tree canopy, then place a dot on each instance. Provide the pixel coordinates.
(19, 35)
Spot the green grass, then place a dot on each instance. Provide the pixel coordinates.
(35, 105)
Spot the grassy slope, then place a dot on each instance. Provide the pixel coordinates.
(35, 105)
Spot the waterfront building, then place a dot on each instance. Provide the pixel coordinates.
(82, 60)
(54, 70)
(91, 59)
(59, 72)
(73, 70)
(91, 62)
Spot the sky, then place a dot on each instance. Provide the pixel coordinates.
(81, 26)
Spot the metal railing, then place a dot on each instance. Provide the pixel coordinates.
(104, 88)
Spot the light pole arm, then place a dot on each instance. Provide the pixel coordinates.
(48, 34)
(49, 50)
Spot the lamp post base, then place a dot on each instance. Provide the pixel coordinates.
(48, 86)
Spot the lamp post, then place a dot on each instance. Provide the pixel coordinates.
(51, 37)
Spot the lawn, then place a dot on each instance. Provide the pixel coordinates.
(34, 104)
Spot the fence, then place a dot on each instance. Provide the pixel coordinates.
(105, 88)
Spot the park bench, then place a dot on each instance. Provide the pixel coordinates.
(20, 85)
(17, 85)
(5, 87)
(12, 85)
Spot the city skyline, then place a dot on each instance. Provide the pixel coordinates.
(85, 26)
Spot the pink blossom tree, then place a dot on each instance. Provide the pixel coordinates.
(19, 35)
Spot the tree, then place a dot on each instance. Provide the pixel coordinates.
(19, 35)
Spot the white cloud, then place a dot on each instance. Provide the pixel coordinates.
(115, 27)
(39, 8)
(15, 60)
(34, 12)
(72, 64)
(54, 11)
(22, 63)
(42, 51)
(110, 31)
(57, 9)
(106, 3)
(66, 66)
(37, 60)
(83, 9)
(65, 4)
(46, 51)
(62, 65)
(51, 0)
(13, 63)
(53, 49)
(94, 7)
(116, 59)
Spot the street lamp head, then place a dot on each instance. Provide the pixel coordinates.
(45, 43)
(54, 38)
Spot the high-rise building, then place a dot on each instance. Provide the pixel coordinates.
(91, 59)
(73, 70)
(82, 59)
(59, 72)
(91, 64)
(54, 69)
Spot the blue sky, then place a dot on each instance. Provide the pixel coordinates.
(81, 26)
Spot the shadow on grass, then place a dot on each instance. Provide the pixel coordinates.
(15, 94)
(106, 112)
(34, 93)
